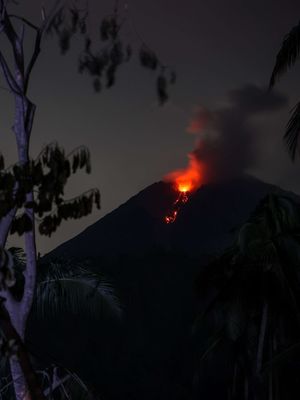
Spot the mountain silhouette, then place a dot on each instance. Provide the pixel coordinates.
(153, 266)
(205, 224)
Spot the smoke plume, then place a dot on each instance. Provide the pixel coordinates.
(226, 137)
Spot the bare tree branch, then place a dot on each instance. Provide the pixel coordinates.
(29, 117)
(33, 59)
(9, 76)
(56, 383)
(14, 40)
(25, 20)
(37, 45)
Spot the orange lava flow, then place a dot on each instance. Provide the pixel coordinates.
(170, 218)
(185, 181)
(188, 179)
(182, 198)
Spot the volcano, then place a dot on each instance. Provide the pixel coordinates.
(153, 266)
(206, 224)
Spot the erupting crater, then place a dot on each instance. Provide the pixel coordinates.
(184, 181)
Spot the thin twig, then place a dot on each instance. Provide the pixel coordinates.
(25, 20)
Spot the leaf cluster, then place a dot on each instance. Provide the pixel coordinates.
(101, 64)
(11, 271)
(47, 177)
(8, 347)
(104, 64)
(7, 274)
(68, 286)
(74, 209)
(101, 61)
(67, 22)
(166, 75)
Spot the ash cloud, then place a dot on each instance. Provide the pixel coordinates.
(226, 137)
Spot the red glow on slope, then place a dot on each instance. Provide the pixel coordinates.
(170, 218)
(188, 179)
(185, 181)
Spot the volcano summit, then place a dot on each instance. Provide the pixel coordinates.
(205, 225)
(153, 266)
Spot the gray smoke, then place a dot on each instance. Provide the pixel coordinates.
(226, 137)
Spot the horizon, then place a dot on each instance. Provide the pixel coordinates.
(130, 151)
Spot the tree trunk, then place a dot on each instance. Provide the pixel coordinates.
(19, 311)
(261, 338)
(246, 389)
(234, 380)
(24, 378)
(22, 373)
(20, 385)
(270, 388)
(260, 349)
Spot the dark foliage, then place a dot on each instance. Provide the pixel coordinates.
(292, 132)
(148, 59)
(149, 354)
(250, 305)
(102, 60)
(286, 58)
(7, 274)
(47, 177)
(287, 55)
(162, 89)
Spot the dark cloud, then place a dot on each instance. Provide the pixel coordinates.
(252, 99)
(227, 136)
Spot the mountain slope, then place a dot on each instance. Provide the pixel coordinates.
(153, 266)
(204, 225)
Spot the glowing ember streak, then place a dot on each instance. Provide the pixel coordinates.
(171, 217)
(182, 198)
(185, 181)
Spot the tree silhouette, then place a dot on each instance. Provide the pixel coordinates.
(36, 187)
(252, 297)
(63, 287)
(286, 58)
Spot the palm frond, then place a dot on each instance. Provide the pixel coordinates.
(287, 55)
(292, 131)
(283, 357)
(276, 215)
(213, 343)
(18, 254)
(77, 291)
(291, 212)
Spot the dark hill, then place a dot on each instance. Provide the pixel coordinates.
(204, 225)
(153, 266)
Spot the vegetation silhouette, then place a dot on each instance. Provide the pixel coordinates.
(250, 313)
(49, 173)
(286, 58)
(63, 288)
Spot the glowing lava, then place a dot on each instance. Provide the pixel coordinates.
(171, 217)
(185, 181)
(182, 198)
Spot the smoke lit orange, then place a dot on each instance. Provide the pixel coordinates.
(188, 179)
(185, 181)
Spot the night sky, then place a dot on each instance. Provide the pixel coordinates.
(217, 49)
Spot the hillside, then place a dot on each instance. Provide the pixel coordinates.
(153, 265)
(204, 225)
